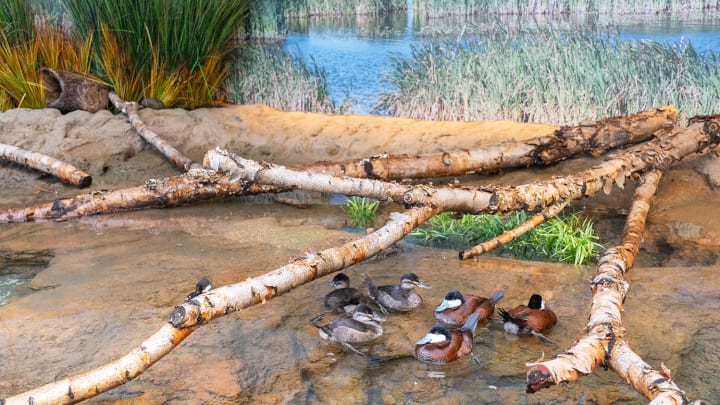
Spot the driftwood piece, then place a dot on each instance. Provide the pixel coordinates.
(66, 172)
(195, 185)
(594, 137)
(70, 91)
(130, 109)
(603, 344)
(219, 302)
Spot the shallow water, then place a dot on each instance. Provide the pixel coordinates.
(114, 279)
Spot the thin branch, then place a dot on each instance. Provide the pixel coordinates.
(219, 302)
(130, 109)
(66, 172)
(509, 236)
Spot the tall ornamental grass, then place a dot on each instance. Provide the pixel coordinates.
(25, 47)
(266, 74)
(549, 77)
(442, 8)
(163, 45)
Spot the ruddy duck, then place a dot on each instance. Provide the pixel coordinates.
(442, 345)
(397, 297)
(343, 297)
(202, 286)
(362, 326)
(456, 308)
(532, 319)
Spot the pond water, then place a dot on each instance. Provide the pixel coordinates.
(356, 52)
(115, 279)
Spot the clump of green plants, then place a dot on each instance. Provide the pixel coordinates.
(566, 238)
(548, 76)
(174, 51)
(280, 80)
(361, 211)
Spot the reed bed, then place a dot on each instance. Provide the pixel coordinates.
(443, 8)
(551, 77)
(279, 79)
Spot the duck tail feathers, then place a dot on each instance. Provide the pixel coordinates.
(472, 322)
(372, 290)
(498, 296)
(505, 315)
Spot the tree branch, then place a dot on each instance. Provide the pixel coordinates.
(66, 172)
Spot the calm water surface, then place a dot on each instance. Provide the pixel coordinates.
(356, 53)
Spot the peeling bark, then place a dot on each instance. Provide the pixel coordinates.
(603, 344)
(130, 109)
(595, 137)
(66, 172)
(195, 185)
(219, 302)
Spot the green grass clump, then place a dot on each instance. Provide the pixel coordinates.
(280, 80)
(551, 77)
(361, 211)
(566, 239)
(163, 45)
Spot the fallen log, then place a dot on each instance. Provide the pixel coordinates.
(195, 185)
(594, 137)
(66, 172)
(219, 302)
(603, 343)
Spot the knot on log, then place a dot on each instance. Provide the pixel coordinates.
(712, 129)
(177, 317)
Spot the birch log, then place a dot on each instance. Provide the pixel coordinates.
(195, 185)
(219, 302)
(604, 332)
(66, 172)
(594, 137)
(130, 109)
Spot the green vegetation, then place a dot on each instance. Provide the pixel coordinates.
(440, 8)
(175, 51)
(361, 211)
(566, 239)
(279, 80)
(551, 77)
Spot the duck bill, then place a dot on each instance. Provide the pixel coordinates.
(442, 306)
(423, 285)
(425, 339)
(378, 318)
(330, 283)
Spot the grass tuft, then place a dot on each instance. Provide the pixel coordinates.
(361, 211)
(566, 239)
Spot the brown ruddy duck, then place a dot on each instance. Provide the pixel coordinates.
(456, 307)
(442, 345)
(202, 286)
(363, 325)
(343, 297)
(532, 319)
(397, 297)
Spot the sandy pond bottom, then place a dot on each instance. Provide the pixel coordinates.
(113, 280)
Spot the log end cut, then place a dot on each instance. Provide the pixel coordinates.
(538, 377)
